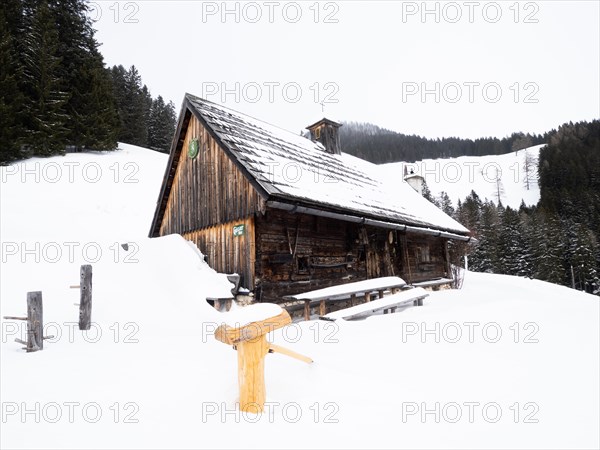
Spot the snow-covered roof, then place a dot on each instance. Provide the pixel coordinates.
(292, 169)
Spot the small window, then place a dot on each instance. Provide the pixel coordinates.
(423, 254)
(318, 133)
(303, 264)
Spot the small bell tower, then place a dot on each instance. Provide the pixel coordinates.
(325, 131)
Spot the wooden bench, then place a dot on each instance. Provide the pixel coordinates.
(222, 301)
(385, 304)
(348, 291)
(434, 284)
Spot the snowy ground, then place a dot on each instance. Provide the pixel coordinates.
(458, 176)
(504, 362)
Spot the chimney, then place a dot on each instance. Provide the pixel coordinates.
(325, 131)
(415, 181)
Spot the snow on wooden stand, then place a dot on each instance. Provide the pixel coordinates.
(35, 323)
(85, 297)
(386, 304)
(343, 292)
(250, 341)
(222, 300)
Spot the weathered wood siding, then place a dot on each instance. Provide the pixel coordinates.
(426, 257)
(299, 252)
(226, 252)
(208, 197)
(207, 190)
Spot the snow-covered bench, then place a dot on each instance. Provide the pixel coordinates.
(385, 304)
(222, 298)
(434, 284)
(348, 291)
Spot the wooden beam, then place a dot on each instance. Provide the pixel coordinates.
(230, 335)
(286, 351)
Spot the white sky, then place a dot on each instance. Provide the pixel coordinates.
(372, 63)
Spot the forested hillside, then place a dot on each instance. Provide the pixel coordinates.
(57, 94)
(379, 145)
(559, 239)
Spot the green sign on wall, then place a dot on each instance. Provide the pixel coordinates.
(239, 230)
(193, 148)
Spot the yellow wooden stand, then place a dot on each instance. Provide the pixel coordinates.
(251, 343)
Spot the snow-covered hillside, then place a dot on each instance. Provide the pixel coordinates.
(503, 363)
(458, 176)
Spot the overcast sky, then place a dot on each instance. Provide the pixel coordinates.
(467, 69)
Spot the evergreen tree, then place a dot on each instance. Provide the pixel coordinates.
(46, 134)
(583, 260)
(133, 107)
(485, 256)
(146, 101)
(161, 125)
(521, 142)
(513, 247)
(11, 71)
(469, 212)
(549, 251)
(445, 204)
(90, 104)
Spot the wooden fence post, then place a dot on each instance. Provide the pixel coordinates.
(250, 341)
(85, 302)
(35, 322)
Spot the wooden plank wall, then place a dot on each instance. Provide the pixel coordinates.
(207, 190)
(208, 197)
(419, 270)
(336, 252)
(227, 253)
(300, 252)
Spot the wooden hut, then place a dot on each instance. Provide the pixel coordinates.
(289, 213)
